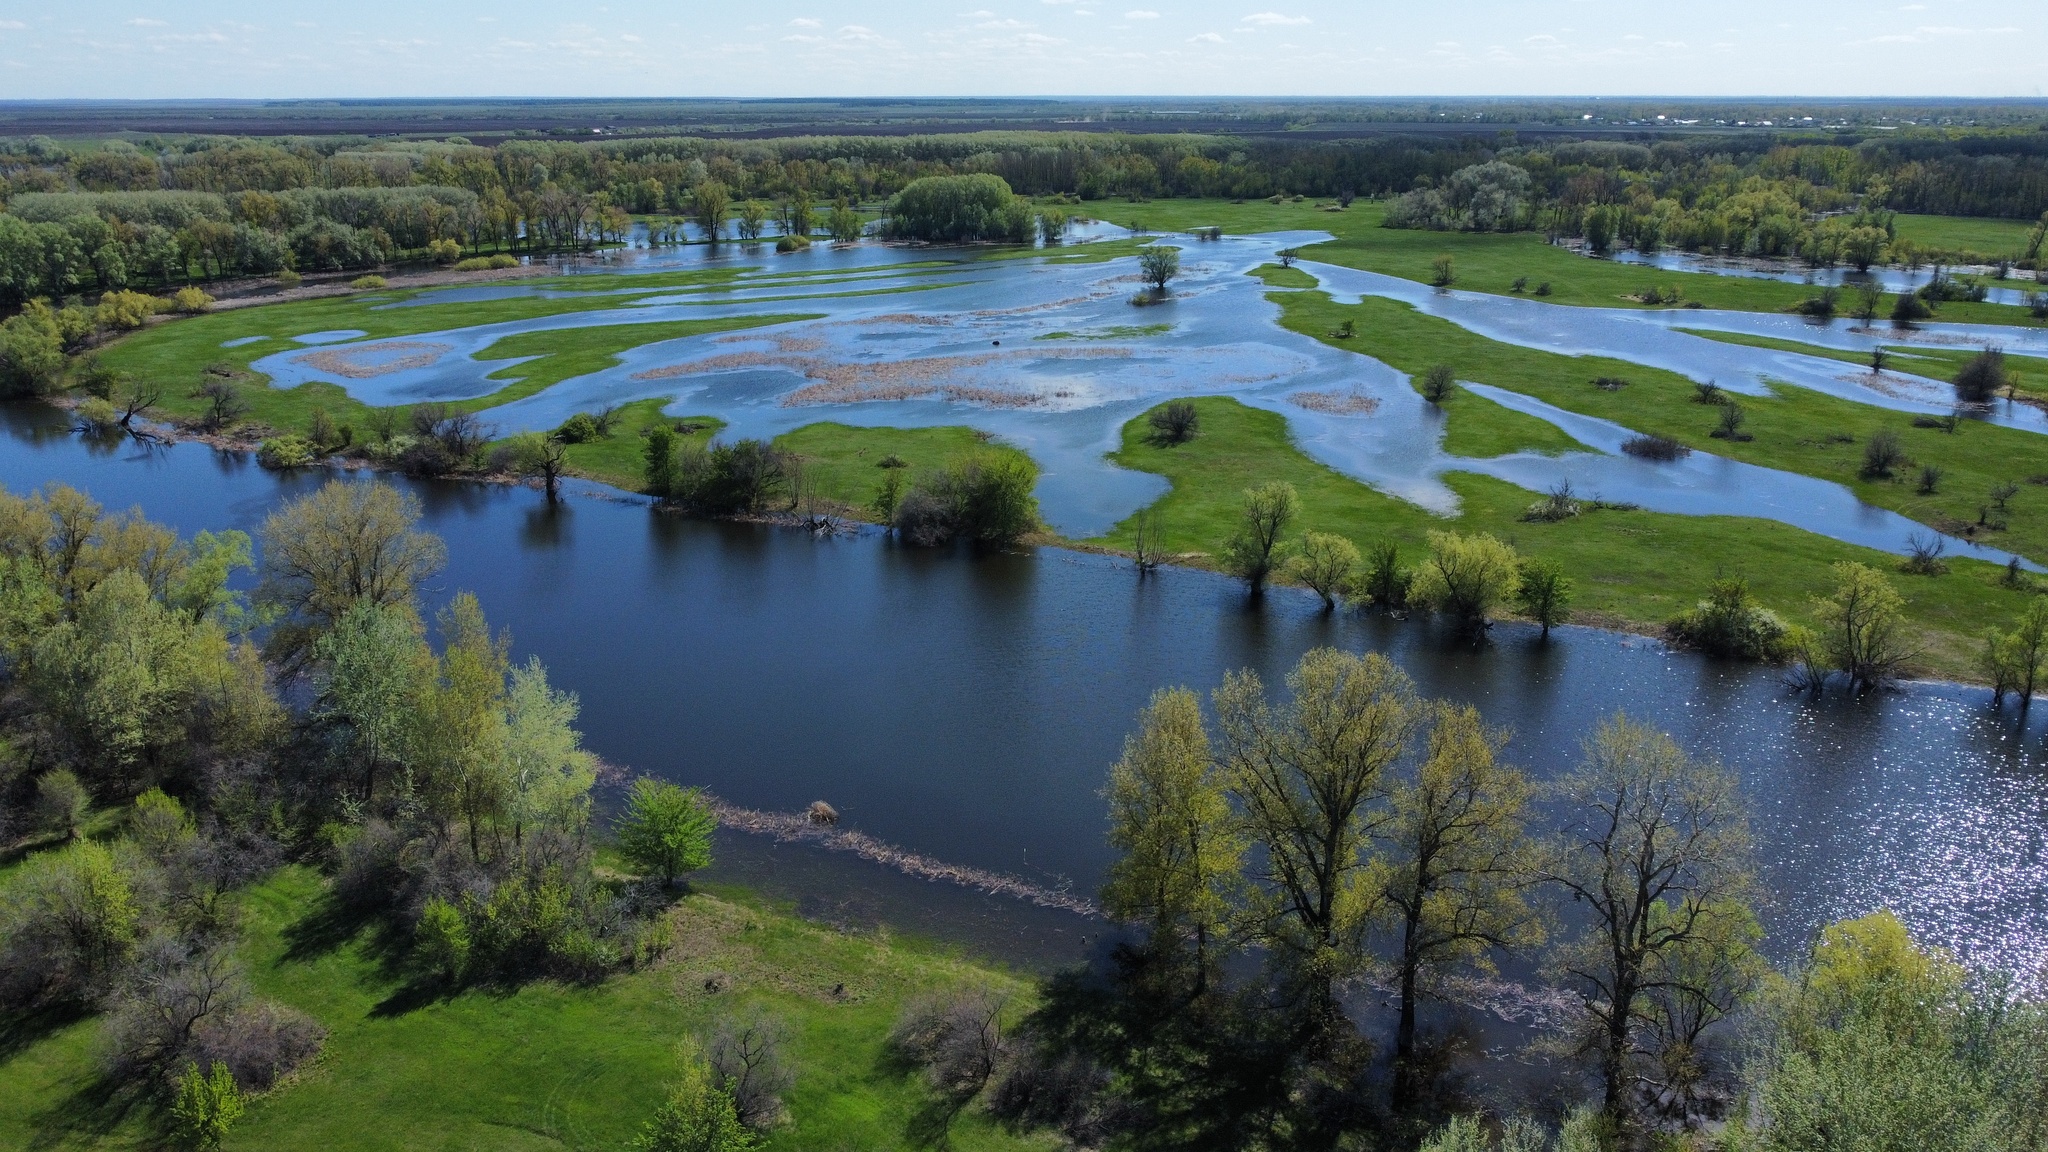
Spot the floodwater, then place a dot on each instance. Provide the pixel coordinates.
(1893, 280)
(968, 706)
(1055, 358)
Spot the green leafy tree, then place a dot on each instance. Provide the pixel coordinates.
(1326, 563)
(697, 1116)
(2014, 658)
(844, 224)
(1862, 627)
(441, 939)
(960, 209)
(1158, 263)
(206, 1107)
(1252, 550)
(457, 741)
(349, 541)
(551, 772)
(62, 803)
(658, 469)
(751, 219)
(665, 829)
(1654, 849)
(376, 672)
(537, 455)
(711, 203)
(1465, 577)
(1543, 593)
(1455, 863)
(1170, 819)
(1308, 776)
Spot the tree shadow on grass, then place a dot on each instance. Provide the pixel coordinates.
(20, 1031)
(91, 1113)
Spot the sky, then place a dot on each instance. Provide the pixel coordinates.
(315, 48)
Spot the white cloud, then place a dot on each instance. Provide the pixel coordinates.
(1141, 14)
(806, 22)
(12, 25)
(146, 22)
(1206, 38)
(1271, 19)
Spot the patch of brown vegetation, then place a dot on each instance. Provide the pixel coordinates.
(1335, 402)
(364, 361)
(837, 382)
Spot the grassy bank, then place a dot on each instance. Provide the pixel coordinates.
(2029, 373)
(1794, 429)
(1988, 237)
(545, 1066)
(1492, 262)
(1633, 569)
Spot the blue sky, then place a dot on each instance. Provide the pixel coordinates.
(284, 48)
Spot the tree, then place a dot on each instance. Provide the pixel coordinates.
(2014, 658)
(551, 772)
(1443, 271)
(458, 738)
(206, 1107)
(1455, 864)
(1862, 627)
(1437, 383)
(752, 219)
(1693, 986)
(62, 803)
(1251, 552)
(665, 829)
(697, 1116)
(1175, 422)
(1982, 377)
(537, 454)
(1158, 264)
(225, 404)
(659, 462)
(378, 670)
(1170, 819)
(960, 210)
(1307, 776)
(710, 203)
(1326, 563)
(1543, 592)
(1869, 298)
(347, 542)
(843, 224)
(31, 353)
(1655, 847)
(1465, 577)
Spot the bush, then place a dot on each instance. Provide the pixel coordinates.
(746, 1065)
(665, 829)
(487, 263)
(284, 452)
(1729, 623)
(985, 498)
(98, 417)
(191, 301)
(1909, 307)
(957, 1038)
(1982, 378)
(1437, 383)
(1543, 593)
(1654, 448)
(1821, 306)
(205, 1107)
(1443, 272)
(1729, 426)
(288, 279)
(1609, 383)
(1883, 454)
(578, 429)
(1466, 577)
(259, 1042)
(364, 283)
(126, 310)
(68, 922)
(1175, 422)
(444, 251)
(1384, 581)
(1708, 392)
(61, 804)
(441, 940)
(792, 243)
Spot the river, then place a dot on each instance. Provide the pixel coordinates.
(968, 706)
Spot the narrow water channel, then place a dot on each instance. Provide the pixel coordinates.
(967, 706)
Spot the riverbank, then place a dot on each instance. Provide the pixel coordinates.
(545, 1064)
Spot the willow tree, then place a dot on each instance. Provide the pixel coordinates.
(1170, 818)
(1456, 863)
(1308, 776)
(350, 541)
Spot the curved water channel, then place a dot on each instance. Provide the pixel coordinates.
(1053, 356)
(967, 707)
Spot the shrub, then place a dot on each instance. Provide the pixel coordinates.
(1521, 284)
(1654, 448)
(578, 429)
(259, 1042)
(1982, 378)
(285, 452)
(487, 263)
(1930, 480)
(1437, 383)
(126, 310)
(191, 301)
(1909, 307)
(1821, 306)
(205, 1107)
(444, 251)
(1465, 577)
(1543, 593)
(1882, 454)
(1729, 623)
(1923, 555)
(957, 1039)
(1708, 392)
(1560, 504)
(1383, 580)
(1730, 425)
(173, 987)
(792, 243)
(1543, 289)
(98, 416)
(288, 279)
(1175, 422)
(1609, 383)
(986, 498)
(1443, 271)
(695, 1116)
(1861, 627)
(665, 829)
(365, 283)
(740, 478)
(441, 940)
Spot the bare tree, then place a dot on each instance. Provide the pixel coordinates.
(746, 1063)
(1655, 848)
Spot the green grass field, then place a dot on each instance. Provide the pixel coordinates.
(1634, 569)
(1979, 234)
(2029, 373)
(545, 1066)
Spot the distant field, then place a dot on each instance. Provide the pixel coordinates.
(1965, 233)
